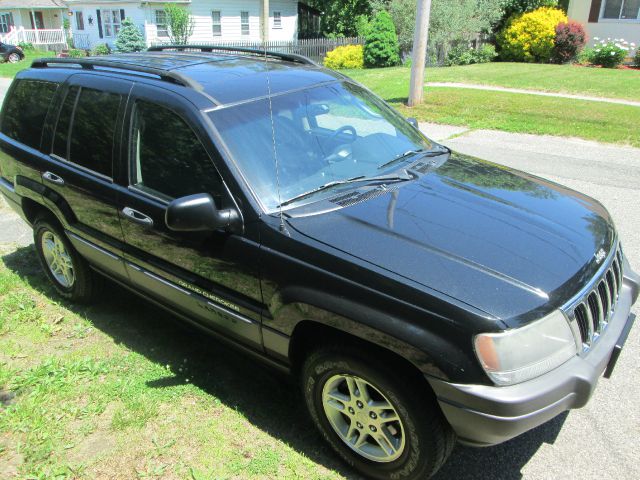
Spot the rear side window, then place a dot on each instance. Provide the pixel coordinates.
(168, 159)
(26, 109)
(61, 138)
(85, 135)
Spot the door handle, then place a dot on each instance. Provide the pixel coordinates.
(137, 217)
(53, 178)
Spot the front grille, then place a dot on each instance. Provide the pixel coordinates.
(592, 312)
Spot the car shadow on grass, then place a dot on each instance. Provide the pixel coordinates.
(267, 399)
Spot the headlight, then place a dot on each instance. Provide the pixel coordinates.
(524, 353)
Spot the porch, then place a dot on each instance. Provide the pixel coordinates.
(52, 39)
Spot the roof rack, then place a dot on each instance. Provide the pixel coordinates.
(290, 57)
(91, 63)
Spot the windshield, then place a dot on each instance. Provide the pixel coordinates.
(324, 135)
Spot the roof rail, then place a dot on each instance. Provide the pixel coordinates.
(91, 63)
(290, 57)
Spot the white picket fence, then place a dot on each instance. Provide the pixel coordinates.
(314, 48)
(43, 37)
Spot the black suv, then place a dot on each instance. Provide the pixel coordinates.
(419, 295)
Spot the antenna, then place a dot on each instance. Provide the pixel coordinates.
(283, 226)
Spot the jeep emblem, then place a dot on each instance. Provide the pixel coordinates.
(600, 254)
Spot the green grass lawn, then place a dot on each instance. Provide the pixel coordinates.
(511, 111)
(597, 82)
(9, 70)
(117, 390)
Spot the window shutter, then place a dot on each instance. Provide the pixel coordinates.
(99, 17)
(122, 14)
(594, 13)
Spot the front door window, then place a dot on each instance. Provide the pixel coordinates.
(39, 20)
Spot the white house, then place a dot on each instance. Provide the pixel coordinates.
(98, 21)
(33, 21)
(31, 14)
(608, 18)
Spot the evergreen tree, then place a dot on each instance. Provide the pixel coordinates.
(381, 43)
(129, 38)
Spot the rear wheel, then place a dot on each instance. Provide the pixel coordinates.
(66, 269)
(376, 418)
(14, 58)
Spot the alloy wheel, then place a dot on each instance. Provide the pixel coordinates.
(363, 418)
(14, 58)
(58, 259)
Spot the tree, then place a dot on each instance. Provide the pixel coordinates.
(450, 22)
(339, 17)
(518, 7)
(180, 23)
(381, 44)
(129, 38)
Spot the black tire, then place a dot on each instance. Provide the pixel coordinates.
(429, 439)
(82, 287)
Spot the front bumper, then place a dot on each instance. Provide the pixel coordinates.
(484, 415)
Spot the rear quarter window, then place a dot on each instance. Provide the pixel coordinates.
(25, 110)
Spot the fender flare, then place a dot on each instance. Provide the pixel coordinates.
(293, 308)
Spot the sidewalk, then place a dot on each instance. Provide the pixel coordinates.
(492, 88)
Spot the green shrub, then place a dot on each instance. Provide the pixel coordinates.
(129, 38)
(585, 56)
(609, 53)
(77, 53)
(636, 59)
(530, 37)
(487, 53)
(381, 44)
(464, 55)
(101, 49)
(26, 46)
(349, 56)
(362, 25)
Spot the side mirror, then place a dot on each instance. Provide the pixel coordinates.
(413, 122)
(198, 213)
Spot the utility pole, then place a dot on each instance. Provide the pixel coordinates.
(265, 21)
(419, 54)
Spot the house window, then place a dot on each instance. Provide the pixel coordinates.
(111, 22)
(621, 9)
(161, 24)
(79, 21)
(216, 23)
(277, 20)
(6, 22)
(244, 23)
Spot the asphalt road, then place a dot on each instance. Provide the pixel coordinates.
(601, 440)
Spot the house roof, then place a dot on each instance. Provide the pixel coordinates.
(6, 4)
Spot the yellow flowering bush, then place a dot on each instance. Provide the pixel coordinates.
(530, 37)
(349, 56)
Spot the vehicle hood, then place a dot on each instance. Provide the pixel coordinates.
(505, 242)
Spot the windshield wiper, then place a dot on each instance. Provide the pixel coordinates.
(362, 178)
(410, 153)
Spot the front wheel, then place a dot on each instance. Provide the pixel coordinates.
(14, 58)
(66, 269)
(381, 421)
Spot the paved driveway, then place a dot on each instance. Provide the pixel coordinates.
(601, 440)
